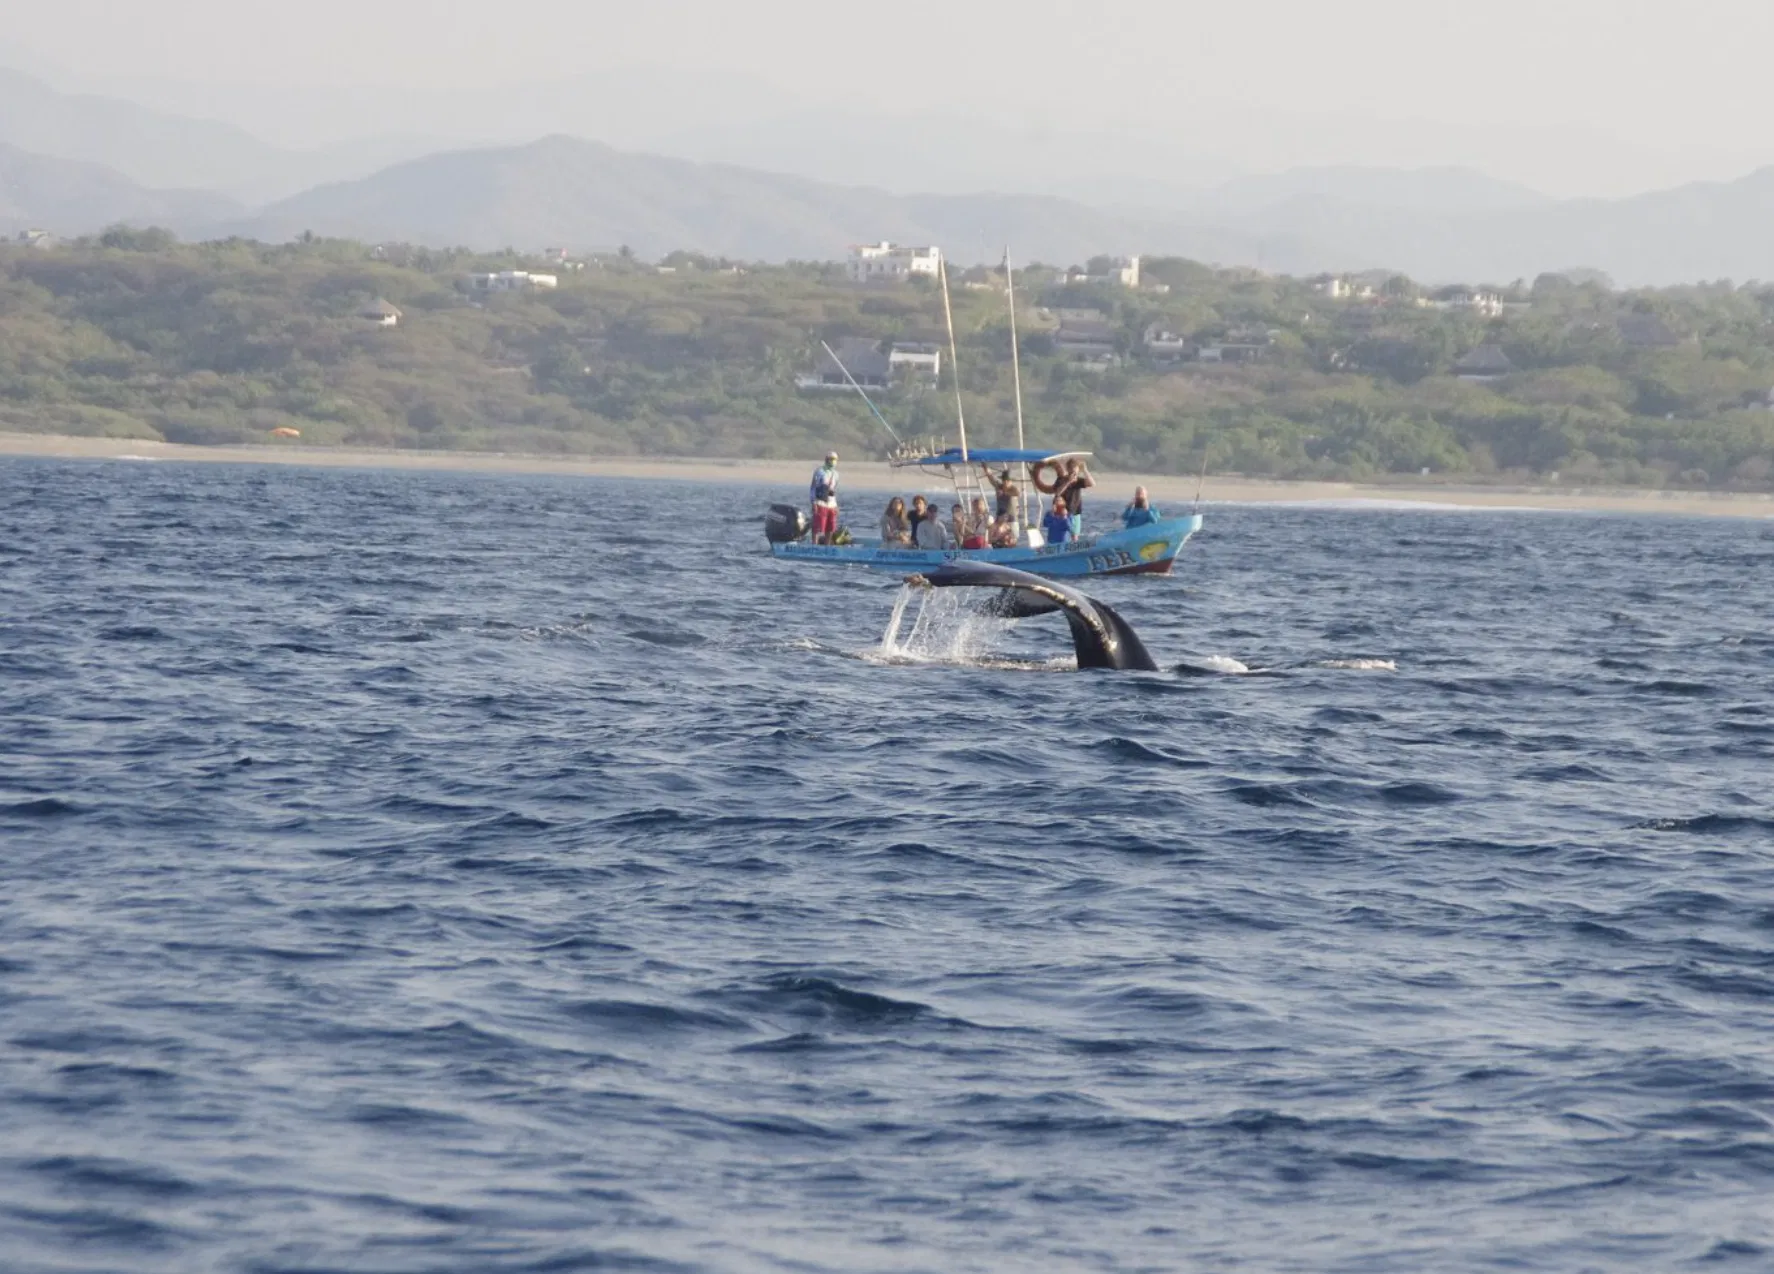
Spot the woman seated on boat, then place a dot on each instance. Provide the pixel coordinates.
(933, 530)
(957, 524)
(1003, 534)
(1140, 512)
(1057, 525)
(978, 526)
(920, 510)
(895, 529)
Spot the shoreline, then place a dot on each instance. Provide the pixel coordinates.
(874, 476)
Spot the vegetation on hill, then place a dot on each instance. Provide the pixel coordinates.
(134, 335)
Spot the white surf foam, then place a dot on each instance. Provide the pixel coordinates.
(1225, 665)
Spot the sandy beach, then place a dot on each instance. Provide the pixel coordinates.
(871, 476)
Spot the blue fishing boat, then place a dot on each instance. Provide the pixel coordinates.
(1149, 548)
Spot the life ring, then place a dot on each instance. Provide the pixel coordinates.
(1047, 488)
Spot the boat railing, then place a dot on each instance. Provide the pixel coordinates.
(915, 449)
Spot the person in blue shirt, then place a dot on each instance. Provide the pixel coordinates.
(1140, 512)
(1056, 527)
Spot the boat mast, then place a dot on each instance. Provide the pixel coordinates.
(1016, 378)
(1016, 367)
(942, 270)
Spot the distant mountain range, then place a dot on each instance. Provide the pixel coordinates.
(78, 197)
(567, 192)
(73, 164)
(1433, 224)
(161, 150)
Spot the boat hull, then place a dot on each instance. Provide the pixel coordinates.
(1144, 550)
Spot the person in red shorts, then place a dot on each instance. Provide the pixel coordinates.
(824, 495)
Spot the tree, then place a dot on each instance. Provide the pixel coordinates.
(129, 239)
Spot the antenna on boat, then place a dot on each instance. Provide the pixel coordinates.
(832, 354)
(1202, 480)
(1016, 369)
(942, 271)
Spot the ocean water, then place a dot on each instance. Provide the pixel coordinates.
(416, 872)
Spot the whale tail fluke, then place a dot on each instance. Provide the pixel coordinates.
(1100, 636)
(1133, 652)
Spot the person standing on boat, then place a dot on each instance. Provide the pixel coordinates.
(824, 494)
(1140, 512)
(1072, 487)
(1004, 487)
(1057, 525)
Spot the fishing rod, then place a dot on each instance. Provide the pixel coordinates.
(832, 354)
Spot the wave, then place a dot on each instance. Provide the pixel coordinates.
(40, 807)
(1707, 824)
(633, 1017)
(828, 1000)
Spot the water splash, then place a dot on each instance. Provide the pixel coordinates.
(890, 638)
(946, 629)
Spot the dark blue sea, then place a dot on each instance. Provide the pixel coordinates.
(429, 873)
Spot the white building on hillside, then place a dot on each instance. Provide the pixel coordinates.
(1120, 271)
(921, 359)
(1125, 271)
(513, 281)
(30, 239)
(1488, 304)
(889, 262)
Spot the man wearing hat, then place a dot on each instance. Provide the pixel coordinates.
(824, 494)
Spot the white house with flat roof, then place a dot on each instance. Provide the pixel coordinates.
(922, 359)
(513, 281)
(891, 263)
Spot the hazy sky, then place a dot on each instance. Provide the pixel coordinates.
(1675, 78)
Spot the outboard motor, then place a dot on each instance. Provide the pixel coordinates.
(784, 524)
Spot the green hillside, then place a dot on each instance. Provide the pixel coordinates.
(136, 336)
